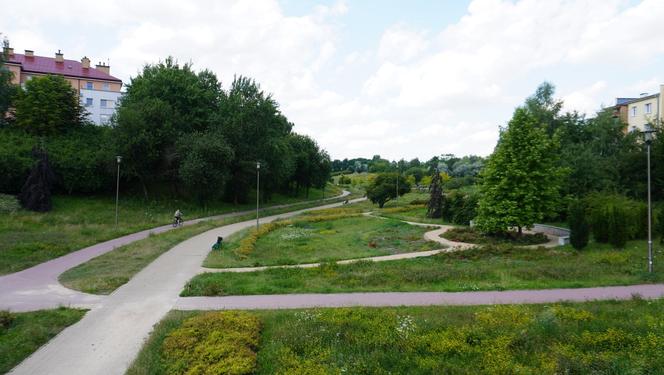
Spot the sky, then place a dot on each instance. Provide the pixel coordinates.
(400, 79)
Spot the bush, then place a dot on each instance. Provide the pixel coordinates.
(213, 343)
(6, 319)
(8, 203)
(579, 228)
(459, 207)
(615, 219)
(15, 159)
(472, 235)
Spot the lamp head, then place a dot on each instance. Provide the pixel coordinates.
(648, 131)
(119, 158)
(258, 165)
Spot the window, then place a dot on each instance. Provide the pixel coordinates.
(88, 102)
(648, 107)
(105, 103)
(104, 118)
(106, 86)
(634, 111)
(88, 85)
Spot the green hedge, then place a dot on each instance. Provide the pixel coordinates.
(615, 219)
(459, 207)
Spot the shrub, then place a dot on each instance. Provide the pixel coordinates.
(659, 225)
(459, 207)
(579, 228)
(615, 219)
(8, 203)
(6, 319)
(213, 343)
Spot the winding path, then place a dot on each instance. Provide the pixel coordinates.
(110, 335)
(38, 287)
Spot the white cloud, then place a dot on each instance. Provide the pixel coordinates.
(417, 90)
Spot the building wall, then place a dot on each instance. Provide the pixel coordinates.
(96, 113)
(79, 83)
(637, 117)
(16, 73)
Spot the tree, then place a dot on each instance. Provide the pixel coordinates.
(48, 105)
(383, 188)
(312, 165)
(36, 192)
(163, 103)
(7, 89)
(578, 224)
(205, 158)
(435, 205)
(251, 122)
(521, 180)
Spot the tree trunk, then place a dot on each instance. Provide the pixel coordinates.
(520, 231)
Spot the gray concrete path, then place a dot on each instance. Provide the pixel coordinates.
(108, 337)
(293, 301)
(38, 288)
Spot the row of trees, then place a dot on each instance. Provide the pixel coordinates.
(178, 131)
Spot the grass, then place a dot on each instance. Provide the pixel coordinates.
(408, 208)
(309, 242)
(29, 238)
(107, 272)
(486, 268)
(29, 331)
(472, 235)
(611, 337)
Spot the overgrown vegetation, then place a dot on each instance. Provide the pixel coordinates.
(23, 333)
(472, 235)
(599, 337)
(319, 237)
(488, 267)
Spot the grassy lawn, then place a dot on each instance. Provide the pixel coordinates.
(28, 331)
(613, 337)
(105, 273)
(29, 238)
(485, 268)
(410, 207)
(308, 242)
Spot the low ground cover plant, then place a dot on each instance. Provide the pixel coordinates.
(213, 343)
(472, 235)
(612, 337)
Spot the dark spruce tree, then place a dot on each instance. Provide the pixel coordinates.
(578, 224)
(435, 205)
(36, 192)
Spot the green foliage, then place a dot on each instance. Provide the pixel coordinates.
(435, 204)
(213, 343)
(8, 204)
(48, 105)
(615, 219)
(521, 180)
(383, 188)
(312, 165)
(459, 207)
(659, 225)
(15, 159)
(205, 158)
(578, 224)
(472, 235)
(6, 319)
(7, 89)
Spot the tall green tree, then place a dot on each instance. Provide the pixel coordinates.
(48, 105)
(435, 205)
(383, 188)
(521, 180)
(312, 165)
(251, 122)
(163, 103)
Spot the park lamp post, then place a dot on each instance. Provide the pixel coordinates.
(258, 180)
(117, 190)
(647, 135)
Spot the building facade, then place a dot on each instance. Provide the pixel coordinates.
(637, 112)
(99, 91)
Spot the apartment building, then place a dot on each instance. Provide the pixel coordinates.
(637, 112)
(98, 89)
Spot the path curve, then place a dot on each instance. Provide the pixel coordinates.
(110, 335)
(38, 287)
(433, 235)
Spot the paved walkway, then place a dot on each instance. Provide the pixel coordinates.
(109, 336)
(293, 301)
(38, 287)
